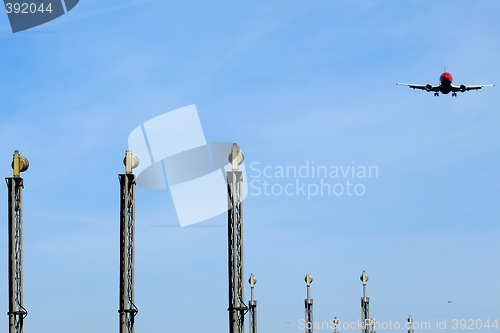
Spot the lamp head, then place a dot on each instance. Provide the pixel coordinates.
(235, 157)
(308, 279)
(252, 280)
(131, 161)
(364, 277)
(19, 164)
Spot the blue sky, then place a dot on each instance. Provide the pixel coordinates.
(291, 82)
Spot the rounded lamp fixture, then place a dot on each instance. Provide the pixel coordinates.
(364, 277)
(235, 157)
(19, 164)
(252, 280)
(131, 161)
(308, 279)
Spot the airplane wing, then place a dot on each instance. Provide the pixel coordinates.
(427, 87)
(463, 88)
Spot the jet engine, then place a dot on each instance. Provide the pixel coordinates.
(462, 88)
(428, 87)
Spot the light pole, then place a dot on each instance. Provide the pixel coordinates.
(336, 322)
(253, 306)
(365, 305)
(309, 305)
(237, 305)
(410, 321)
(373, 321)
(127, 309)
(17, 312)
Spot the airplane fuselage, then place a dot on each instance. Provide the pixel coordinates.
(445, 83)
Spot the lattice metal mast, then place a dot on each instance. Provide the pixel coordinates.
(237, 307)
(17, 312)
(309, 306)
(253, 306)
(127, 310)
(365, 306)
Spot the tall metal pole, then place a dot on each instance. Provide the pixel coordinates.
(410, 321)
(336, 321)
(365, 306)
(253, 306)
(373, 321)
(127, 310)
(17, 312)
(237, 307)
(309, 306)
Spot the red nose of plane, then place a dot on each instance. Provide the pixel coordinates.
(446, 76)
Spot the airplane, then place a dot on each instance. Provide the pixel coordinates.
(445, 86)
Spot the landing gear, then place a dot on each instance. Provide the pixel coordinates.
(436, 94)
(454, 94)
